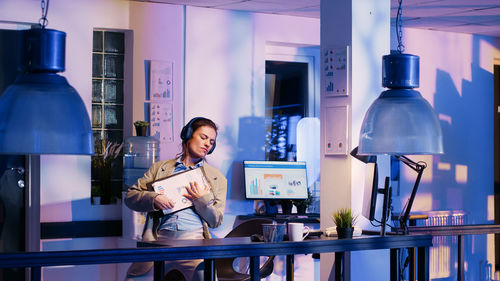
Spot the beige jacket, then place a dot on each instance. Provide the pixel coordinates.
(210, 207)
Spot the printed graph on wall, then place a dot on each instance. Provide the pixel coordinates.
(161, 81)
(161, 121)
(159, 97)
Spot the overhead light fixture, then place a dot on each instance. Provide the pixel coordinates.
(400, 121)
(41, 112)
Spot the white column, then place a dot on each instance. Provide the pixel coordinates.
(364, 27)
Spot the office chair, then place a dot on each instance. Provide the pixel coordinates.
(224, 267)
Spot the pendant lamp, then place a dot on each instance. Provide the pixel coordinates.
(400, 121)
(40, 113)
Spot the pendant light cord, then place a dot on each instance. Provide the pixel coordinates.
(45, 9)
(399, 27)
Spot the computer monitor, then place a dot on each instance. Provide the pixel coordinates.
(370, 191)
(275, 180)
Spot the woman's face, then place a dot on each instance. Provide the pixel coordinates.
(201, 142)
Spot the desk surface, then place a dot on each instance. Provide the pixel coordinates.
(304, 218)
(209, 248)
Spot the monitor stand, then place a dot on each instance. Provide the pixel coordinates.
(271, 207)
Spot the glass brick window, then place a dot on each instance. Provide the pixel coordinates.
(108, 54)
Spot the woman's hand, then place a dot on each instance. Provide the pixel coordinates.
(195, 192)
(162, 202)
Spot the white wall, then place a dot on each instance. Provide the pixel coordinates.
(456, 77)
(363, 26)
(159, 35)
(225, 74)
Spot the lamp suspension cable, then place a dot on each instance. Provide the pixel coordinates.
(45, 9)
(399, 27)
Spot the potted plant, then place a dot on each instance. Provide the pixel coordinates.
(344, 220)
(96, 194)
(303, 203)
(103, 165)
(141, 128)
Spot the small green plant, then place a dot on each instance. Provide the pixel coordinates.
(343, 218)
(141, 123)
(304, 202)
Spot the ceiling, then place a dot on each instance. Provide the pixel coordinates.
(463, 16)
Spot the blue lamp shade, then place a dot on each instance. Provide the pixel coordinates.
(400, 121)
(40, 112)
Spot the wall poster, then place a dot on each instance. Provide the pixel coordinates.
(161, 81)
(161, 121)
(159, 97)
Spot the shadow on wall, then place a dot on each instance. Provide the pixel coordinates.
(250, 146)
(462, 178)
(467, 121)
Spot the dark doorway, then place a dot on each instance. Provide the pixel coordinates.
(286, 103)
(12, 171)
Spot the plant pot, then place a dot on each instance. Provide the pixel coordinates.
(345, 232)
(141, 131)
(96, 200)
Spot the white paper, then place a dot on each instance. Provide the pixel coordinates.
(161, 121)
(161, 81)
(174, 188)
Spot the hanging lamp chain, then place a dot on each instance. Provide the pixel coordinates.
(45, 9)
(399, 27)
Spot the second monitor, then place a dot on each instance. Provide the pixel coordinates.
(275, 180)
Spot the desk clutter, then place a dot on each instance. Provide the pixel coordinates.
(280, 234)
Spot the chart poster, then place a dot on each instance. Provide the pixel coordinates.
(335, 71)
(161, 81)
(161, 116)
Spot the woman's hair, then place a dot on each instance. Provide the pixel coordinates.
(191, 127)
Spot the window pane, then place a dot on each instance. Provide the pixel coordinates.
(96, 90)
(96, 116)
(114, 42)
(96, 65)
(97, 41)
(115, 136)
(113, 117)
(117, 168)
(113, 91)
(98, 142)
(113, 66)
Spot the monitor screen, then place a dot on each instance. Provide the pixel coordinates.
(275, 180)
(370, 191)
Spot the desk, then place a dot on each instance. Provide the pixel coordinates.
(303, 218)
(223, 248)
(241, 247)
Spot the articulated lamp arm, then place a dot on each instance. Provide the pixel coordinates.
(405, 212)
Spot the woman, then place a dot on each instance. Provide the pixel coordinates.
(198, 139)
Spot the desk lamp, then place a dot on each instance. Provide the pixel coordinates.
(400, 121)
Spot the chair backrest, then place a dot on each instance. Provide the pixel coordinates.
(225, 270)
(249, 227)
